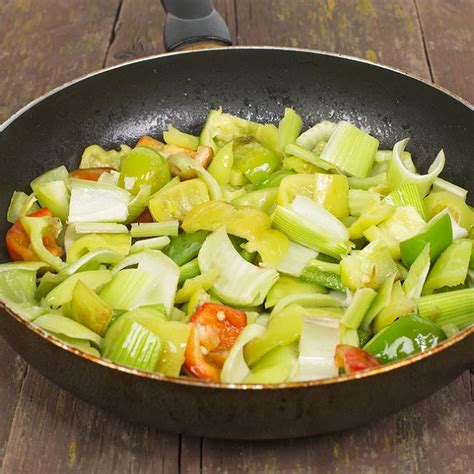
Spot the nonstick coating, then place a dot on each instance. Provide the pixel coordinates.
(121, 104)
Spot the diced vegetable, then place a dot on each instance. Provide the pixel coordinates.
(20, 205)
(351, 150)
(173, 136)
(119, 243)
(289, 129)
(322, 131)
(358, 308)
(331, 191)
(155, 229)
(95, 156)
(353, 359)
(437, 202)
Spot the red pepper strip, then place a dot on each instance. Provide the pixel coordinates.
(19, 245)
(90, 174)
(214, 330)
(353, 359)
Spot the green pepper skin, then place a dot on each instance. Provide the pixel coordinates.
(185, 247)
(406, 336)
(311, 274)
(275, 179)
(143, 166)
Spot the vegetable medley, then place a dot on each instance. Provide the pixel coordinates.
(250, 254)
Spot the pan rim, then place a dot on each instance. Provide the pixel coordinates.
(188, 381)
(37, 100)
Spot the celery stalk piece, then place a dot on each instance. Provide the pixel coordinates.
(382, 300)
(54, 195)
(407, 194)
(438, 233)
(222, 163)
(154, 243)
(20, 205)
(288, 285)
(22, 265)
(81, 344)
(95, 156)
(309, 157)
(18, 288)
(62, 294)
(239, 282)
(88, 309)
(276, 366)
(441, 185)
(368, 268)
(56, 174)
(186, 163)
(319, 338)
(413, 284)
(135, 346)
(373, 215)
(96, 202)
(400, 305)
(189, 270)
(360, 199)
(295, 259)
(450, 329)
(312, 299)
(100, 228)
(451, 267)
(36, 228)
(283, 328)
(119, 243)
(235, 368)
(289, 129)
(173, 136)
(348, 336)
(358, 308)
(450, 307)
(351, 150)
(93, 258)
(322, 131)
(111, 178)
(331, 191)
(60, 325)
(203, 281)
(398, 173)
(139, 202)
(175, 202)
(155, 229)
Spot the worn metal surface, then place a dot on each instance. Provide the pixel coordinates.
(42, 45)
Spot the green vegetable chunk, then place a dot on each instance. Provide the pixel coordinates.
(406, 336)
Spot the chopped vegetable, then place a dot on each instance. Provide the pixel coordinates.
(352, 359)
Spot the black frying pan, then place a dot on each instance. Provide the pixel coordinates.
(123, 103)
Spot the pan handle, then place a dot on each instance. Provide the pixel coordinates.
(193, 24)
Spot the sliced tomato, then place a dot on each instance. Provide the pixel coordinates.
(353, 359)
(144, 217)
(214, 330)
(91, 174)
(18, 241)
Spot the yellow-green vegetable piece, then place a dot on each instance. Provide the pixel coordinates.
(191, 285)
(451, 267)
(368, 268)
(436, 202)
(177, 201)
(89, 309)
(119, 243)
(331, 191)
(288, 285)
(373, 215)
(95, 156)
(283, 328)
(404, 223)
(143, 166)
(290, 186)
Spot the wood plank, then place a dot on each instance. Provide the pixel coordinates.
(12, 375)
(44, 44)
(434, 435)
(139, 31)
(449, 38)
(384, 32)
(54, 432)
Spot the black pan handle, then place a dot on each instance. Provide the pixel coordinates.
(191, 24)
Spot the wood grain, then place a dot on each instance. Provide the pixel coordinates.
(449, 40)
(381, 31)
(55, 432)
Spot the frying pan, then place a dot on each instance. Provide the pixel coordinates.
(120, 104)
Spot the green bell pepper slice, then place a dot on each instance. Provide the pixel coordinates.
(406, 336)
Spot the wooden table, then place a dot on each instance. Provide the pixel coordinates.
(44, 43)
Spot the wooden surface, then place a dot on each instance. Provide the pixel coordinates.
(44, 43)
